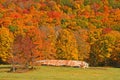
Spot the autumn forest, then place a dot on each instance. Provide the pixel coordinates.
(85, 30)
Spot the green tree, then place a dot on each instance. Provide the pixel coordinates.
(103, 46)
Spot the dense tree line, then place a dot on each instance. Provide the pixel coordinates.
(87, 30)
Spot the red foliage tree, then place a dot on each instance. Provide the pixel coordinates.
(27, 49)
(106, 30)
(54, 14)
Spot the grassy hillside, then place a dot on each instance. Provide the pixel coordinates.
(62, 73)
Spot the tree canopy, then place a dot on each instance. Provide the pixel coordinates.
(86, 30)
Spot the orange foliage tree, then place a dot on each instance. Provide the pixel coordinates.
(27, 49)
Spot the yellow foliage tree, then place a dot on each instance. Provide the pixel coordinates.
(66, 45)
(6, 40)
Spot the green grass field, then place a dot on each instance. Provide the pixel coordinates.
(62, 73)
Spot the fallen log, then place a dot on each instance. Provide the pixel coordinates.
(71, 63)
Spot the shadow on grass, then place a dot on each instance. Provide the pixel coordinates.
(5, 68)
(8, 69)
(99, 68)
